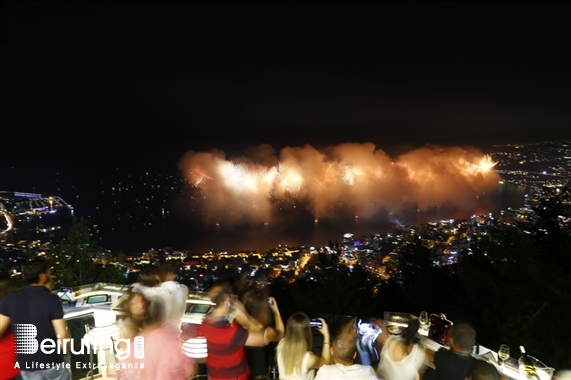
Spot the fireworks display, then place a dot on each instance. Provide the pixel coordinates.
(352, 178)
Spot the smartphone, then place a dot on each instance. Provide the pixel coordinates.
(315, 323)
(367, 326)
(367, 333)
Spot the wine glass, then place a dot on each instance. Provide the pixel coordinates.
(423, 319)
(503, 353)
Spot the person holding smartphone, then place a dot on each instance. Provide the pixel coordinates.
(258, 304)
(226, 340)
(295, 359)
(367, 333)
(344, 352)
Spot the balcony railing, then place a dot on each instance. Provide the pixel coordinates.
(99, 305)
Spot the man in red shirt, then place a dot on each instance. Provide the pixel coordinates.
(227, 336)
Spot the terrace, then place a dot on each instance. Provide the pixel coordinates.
(98, 306)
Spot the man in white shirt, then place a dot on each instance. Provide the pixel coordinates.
(344, 352)
(175, 305)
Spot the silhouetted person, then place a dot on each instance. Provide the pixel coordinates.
(255, 300)
(453, 363)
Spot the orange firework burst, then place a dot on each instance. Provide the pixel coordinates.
(197, 178)
(353, 174)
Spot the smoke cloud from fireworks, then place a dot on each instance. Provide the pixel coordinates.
(348, 179)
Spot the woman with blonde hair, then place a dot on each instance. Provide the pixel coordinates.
(295, 359)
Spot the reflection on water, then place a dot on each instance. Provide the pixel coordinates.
(303, 229)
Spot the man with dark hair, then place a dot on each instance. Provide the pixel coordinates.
(453, 363)
(343, 352)
(36, 315)
(226, 339)
(482, 370)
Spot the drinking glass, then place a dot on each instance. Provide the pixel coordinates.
(423, 319)
(503, 353)
(232, 313)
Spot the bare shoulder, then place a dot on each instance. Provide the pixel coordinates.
(314, 361)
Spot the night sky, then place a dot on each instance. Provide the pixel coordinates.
(147, 79)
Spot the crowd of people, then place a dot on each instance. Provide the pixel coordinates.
(245, 334)
(154, 307)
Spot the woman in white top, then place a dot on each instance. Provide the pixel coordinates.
(402, 357)
(293, 353)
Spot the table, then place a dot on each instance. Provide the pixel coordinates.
(510, 367)
(509, 370)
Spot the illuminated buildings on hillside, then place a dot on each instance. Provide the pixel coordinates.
(30, 222)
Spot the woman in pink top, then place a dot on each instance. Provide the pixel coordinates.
(164, 358)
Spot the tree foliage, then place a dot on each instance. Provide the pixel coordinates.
(335, 290)
(516, 290)
(77, 259)
(513, 286)
(423, 283)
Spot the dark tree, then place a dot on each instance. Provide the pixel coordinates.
(77, 259)
(515, 294)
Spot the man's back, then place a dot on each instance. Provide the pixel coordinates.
(37, 321)
(37, 307)
(178, 294)
(226, 356)
(451, 365)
